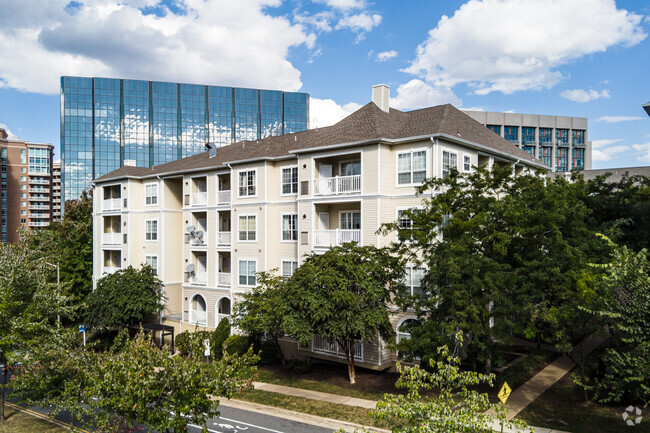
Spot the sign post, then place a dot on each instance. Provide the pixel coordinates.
(206, 344)
(504, 393)
(82, 329)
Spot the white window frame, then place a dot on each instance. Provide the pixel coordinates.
(348, 161)
(291, 167)
(189, 310)
(399, 335)
(469, 169)
(442, 161)
(397, 214)
(239, 173)
(219, 316)
(147, 233)
(412, 268)
(282, 231)
(154, 185)
(147, 261)
(247, 216)
(350, 211)
(427, 164)
(292, 262)
(247, 276)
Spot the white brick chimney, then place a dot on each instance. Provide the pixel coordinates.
(381, 96)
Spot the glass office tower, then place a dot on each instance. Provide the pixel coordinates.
(105, 121)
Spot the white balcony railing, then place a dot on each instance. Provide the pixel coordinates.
(322, 345)
(223, 197)
(332, 238)
(39, 223)
(199, 317)
(111, 204)
(199, 199)
(110, 269)
(223, 238)
(39, 207)
(41, 190)
(200, 278)
(39, 215)
(338, 185)
(39, 182)
(111, 238)
(224, 279)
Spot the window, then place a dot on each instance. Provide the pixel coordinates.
(511, 133)
(562, 159)
(495, 128)
(247, 272)
(23, 178)
(289, 180)
(561, 136)
(151, 194)
(39, 160)
(449, 161)
(223, 310)
(23, 212)
(23, 170)
(467, 163)
(288, 268)
(247, 228)
(247, 183)
(405, 224)
(23, 156)
(545, 155)
(153, 262)
(23, 220)
(578, 137)
(413, 280)
(151, 230)
(350, 168)
(23, 187)
(411, 167)
(350, 220)
(578, 160)
(23, 195)
(545, 135)
(23, 204)
(529, 149)
(527, 135)
(290, 227)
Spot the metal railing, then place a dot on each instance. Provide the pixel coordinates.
(43, 190)
(112, 204)
(223, 238)
(39, 207)
(39, 223)
(39, 182)
(331, 238)
(323, 345)
(200, 277)
(199, 317)
(224, 279)
(223, 197)
(111, 238)
(199, 199)
(110, 269)
(337, 185)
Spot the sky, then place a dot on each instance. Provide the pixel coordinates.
(583, 58)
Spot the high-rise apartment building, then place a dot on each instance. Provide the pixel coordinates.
(56, 191)
(105, 122)
(560, 142)
(208, 223)
(25, 171)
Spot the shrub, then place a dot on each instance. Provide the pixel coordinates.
(299, 366)
(237, 344)
(218, 337)
(182, 343)
(270, 353)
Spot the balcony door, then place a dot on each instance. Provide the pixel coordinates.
(324, 220)
(350, 220)
(325, 170)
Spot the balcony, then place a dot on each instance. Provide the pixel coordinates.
(56, 214)
(39, 215)
(199, 199)
(202, 242)
(56, 187)
(224, 279)
(57, 200)
(41, 190)
(39, 207)
(324, 346)
(111, 204)
(111, 238)
(332, 238)
(39, 199)
(223, 238)
(223, 197)
(199, 317)
(578, 142)
(338, 185)
(39, 182)
(199, 278)
(57, 194)
(39, 223)
(110, 269)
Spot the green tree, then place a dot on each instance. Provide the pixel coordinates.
(69, 243)
(29, 304)
(124, 297)
(501, 252)
(342, 295)
(626, 362)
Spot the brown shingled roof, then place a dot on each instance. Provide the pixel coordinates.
(366, 124)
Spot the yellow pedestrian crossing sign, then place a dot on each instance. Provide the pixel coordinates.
(505, 392)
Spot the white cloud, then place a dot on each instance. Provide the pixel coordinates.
(606, 154)
(617, 119)
(479, 47)
(319, 21)
(645, 151)
(579, 95)
(326, 112)
(343, 4)
(596, 144)
(418, 94)
(8, 131)
(221, 42)
(386, 55)
(359, 22)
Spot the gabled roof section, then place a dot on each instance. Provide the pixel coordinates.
(369, 123)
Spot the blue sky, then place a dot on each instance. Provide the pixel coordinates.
(588, 58)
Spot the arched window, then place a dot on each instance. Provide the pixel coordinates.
(223, 310)
(404, 329)
(198, 311)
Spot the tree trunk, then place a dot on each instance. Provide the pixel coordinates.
(349, 354)
(4, 385)
(487, 365)
(582, 370)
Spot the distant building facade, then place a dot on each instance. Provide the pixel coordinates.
(106, 121)
(25, 172)
(560, 142)
(56, 191)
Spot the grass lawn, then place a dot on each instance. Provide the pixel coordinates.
(20, 422)
(564, 401)
(313, 407)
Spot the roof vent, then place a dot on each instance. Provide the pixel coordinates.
(381, 96)
(212, 149)
(129, 162)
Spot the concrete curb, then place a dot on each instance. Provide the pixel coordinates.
(298, 416)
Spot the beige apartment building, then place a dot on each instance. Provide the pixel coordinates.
(25, 177)
(208, 223)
